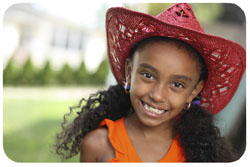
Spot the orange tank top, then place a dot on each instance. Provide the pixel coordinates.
(124, 150)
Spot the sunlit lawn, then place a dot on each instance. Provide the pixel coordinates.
(31, 118)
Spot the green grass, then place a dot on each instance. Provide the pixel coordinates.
(31, 119)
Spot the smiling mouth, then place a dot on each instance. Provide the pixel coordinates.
(152, 109)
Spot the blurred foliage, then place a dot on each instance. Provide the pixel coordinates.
(205, 12)
(9, 73)
(156, 8)
(65, 76)
(46, 76)
(100, 75)
(82, 75)
(29, 75)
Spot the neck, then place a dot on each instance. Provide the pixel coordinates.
(165, 130)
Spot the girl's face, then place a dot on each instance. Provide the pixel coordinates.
(163, 78)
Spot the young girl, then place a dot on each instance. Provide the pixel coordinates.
(172, 78)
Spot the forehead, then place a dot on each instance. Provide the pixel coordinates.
(168, 58)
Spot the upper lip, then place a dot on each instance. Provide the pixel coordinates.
(154, 106)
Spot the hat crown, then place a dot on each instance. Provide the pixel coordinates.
(180, 14)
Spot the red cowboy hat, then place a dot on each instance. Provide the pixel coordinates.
(225, 60)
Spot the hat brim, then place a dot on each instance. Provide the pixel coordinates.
(225, 60)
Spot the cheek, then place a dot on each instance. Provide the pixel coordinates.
(177, 100)
(139, 88)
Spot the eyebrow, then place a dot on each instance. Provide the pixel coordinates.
(144, 65)
(182, 77)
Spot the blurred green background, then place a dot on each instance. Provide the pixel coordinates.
(31, 120)
(37, 95)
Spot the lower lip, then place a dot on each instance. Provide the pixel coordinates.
(150, 114)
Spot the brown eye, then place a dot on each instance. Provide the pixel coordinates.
(178, 85)
(147, 75)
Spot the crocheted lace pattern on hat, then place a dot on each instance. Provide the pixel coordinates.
(181, 15)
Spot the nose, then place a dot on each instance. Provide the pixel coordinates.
(158, 93)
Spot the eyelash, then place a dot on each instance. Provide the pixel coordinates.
(146, 75)
(178, 85)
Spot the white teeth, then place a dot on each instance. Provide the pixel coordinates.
(151, 109)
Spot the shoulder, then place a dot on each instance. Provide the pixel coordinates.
(95, 146)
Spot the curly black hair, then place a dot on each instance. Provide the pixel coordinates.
(112, 104)
(199, 137)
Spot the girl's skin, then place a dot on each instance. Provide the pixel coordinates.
(164, 76)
